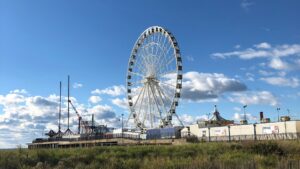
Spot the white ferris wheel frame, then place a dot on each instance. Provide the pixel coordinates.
(151, 72)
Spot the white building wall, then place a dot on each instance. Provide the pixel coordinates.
(194, 129)
(219, 131)
(298, 126)
(240, 132)
(204, 132)
(237, 130)
(271, 128)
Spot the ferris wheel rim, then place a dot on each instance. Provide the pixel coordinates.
(177, 57)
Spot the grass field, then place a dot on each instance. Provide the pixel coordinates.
(241, 155)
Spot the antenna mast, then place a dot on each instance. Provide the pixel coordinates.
(68, 131)
(68, 102)
(59, 115)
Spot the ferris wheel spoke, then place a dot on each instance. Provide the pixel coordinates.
(161, 47)
(138, 74)
(141, 103)
(152, 106)
(144, 56)
(154, 96)
(148, 105)
(139, 66)
(170, 61)
(162, 100)
(164, 55)
(138, 97)
(145, 51)
(167, 73)
(157, 46)
(136, 83)
(163, 93)
(165, 83)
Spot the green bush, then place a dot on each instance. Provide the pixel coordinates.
(268, 148)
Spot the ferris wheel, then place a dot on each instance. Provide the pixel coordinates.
(154, 79)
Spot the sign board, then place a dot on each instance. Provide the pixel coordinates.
(220, 132)
(270, 130)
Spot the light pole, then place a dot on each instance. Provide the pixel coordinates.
(122, 125)
(278, 108)
(245, 112)
(245, 118)
(288, 110)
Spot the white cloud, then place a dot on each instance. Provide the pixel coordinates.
(190, 58)
(95, 99)
(237, 109)
(274, 54)
(241, 116)
(77, 85)
(266, 29)
(250, 53)
(12, 98)
(19, 91)
(188, 119)
(282, 73)
(237, 46)
(278, 64)
(263, 45)
(254, 97)
(112, 91)
(250, 76)
(244, 54)
(122, 103)
(25, 117)
(282, 81)
(245, 4)
(202, 86)
(265, 73)
(102, 111)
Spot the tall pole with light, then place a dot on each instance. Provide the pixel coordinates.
(245, 112)
(278, 109)
(245, 118)
(122, 124)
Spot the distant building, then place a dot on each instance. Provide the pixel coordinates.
(215, 120)
(261, 131)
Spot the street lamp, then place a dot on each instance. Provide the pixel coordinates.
(122, 125)
(278, 108)
(245, 112)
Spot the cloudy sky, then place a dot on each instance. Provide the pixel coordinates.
(234, 53)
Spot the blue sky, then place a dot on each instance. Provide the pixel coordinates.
(225, 45)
